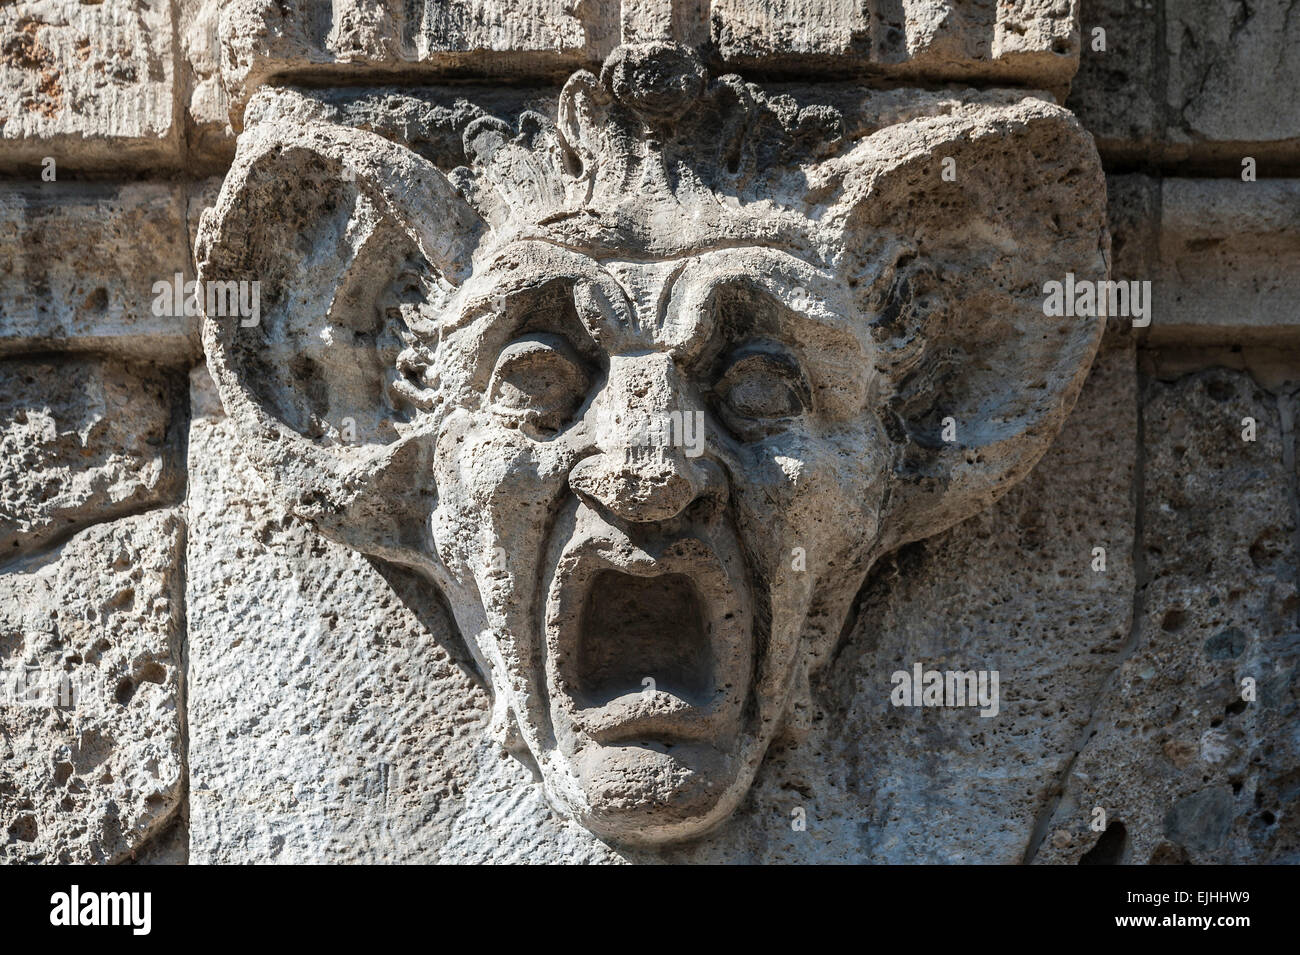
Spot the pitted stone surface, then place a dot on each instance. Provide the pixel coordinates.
(454, 278)
(78, 265)
(91, 710)
(82, 441)
(1218, 599)
(1029, 42)
(867, 794)
(91, 85)
(1013, 589)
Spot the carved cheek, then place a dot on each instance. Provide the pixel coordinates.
(496, 489)
(820, 493)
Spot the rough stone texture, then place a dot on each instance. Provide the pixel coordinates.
(330, 717)
(1216, 84)
(96, 780)
(92, 85)
(1218, 604)
(342, 715)
(1233, 70)
(209, 139)
(78, 262)
(1027, 41)
(1117, 94)
(1033, 42)
(1229, 261)
(1223, 257)
(1014, 590)
(82, 441)
(471, 371)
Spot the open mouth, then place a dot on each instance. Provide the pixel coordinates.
(647, 642)
(643, 635)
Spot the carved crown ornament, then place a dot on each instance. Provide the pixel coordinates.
(455, 367)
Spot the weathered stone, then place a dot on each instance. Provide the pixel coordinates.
(1117, 94)
(1182, 763)
(969, 595)
(1222, 257)
(425, 252)
(1229, 261)
(1198, 82)
(1233, 71)
(330, 717)
(362, 38)
(90, 709)
(82, 440)
(1014, 590)
(91, 85)
(78, 263)
(1030, 42)
(209, 140)
(646, 389)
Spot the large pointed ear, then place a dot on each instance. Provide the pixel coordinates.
(952, 226)
(337, 249)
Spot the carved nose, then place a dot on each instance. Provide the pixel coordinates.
(641, 484)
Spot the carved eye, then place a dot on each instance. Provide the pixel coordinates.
(759, 390)
(538, 383)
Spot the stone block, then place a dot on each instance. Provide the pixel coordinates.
(91, 85)
(1189, 762)
(78, 263)
(82, 441)
(91, 706)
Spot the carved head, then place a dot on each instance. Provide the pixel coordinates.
(646, 389)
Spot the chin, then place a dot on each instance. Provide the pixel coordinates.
(650, 793)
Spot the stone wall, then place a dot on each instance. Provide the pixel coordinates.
(249, 690)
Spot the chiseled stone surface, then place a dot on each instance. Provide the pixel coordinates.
(90, 84)
(419, 576)
(1184, 767)
(1012, 588)
(90, 771)
(330, 717)
(78, 263)
(1030, 41)
(82, 440)
(1233, 70)
(1116, 93)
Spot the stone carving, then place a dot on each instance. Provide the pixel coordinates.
(645, 389)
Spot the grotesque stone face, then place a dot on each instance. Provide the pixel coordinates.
(645, 390)
(645, 454)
